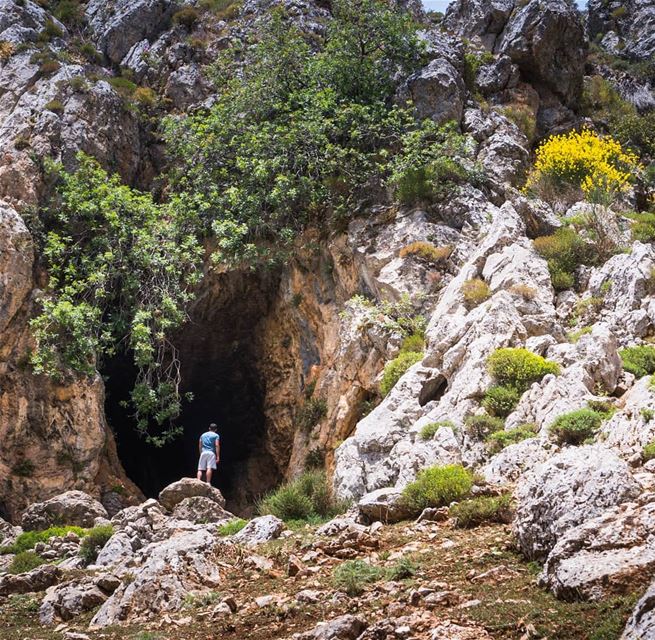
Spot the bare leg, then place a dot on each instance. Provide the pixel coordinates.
(209, 475)
(199, 476)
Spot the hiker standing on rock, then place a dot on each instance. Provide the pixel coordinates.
(209, 448)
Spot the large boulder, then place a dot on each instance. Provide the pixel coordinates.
(70, 508)
(174, 493)
(609, 554)
(570, 488)
(546, 39)
(259, 530)
(483, 18)
(164, 572)
(200, 509)
(118, 26)
(37, 579)
(386, 505)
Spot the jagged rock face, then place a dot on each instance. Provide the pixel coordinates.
(70, 508)
(611, 553)
(487, 19)
(629, 25)
(642, 621)
(567, 490)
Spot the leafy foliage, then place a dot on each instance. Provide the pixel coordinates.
(429, 430)
(485, 509)
(94, 541)
(25, 561)
(438, 486)
(648, 452)
(640, 361)
(498, 440)
(28, 539)
(500, 400)
(121, 271)
(518, 367)
(305, 498)
(231, 527)
(396, 368)
(576, 427)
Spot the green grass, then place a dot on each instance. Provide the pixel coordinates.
(25, 561)
(231, 527)
(352, 576)
(438, 486)
(486, 509)
(94, 541)
(429, 430)
(29, 539)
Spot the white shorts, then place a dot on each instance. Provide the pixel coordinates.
(207, 461)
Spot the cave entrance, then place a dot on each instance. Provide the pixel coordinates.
(219, 354)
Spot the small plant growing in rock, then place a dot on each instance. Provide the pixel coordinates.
(145, 96)
(574, 336)
(402, 569)
(231, 527)
(438, 486)
(396, 368)
(486, 509)
(187, 17)
(498, 440)
(429, 430)
(640, 361)
(500, 401)
(311, 413)
(56, 106)
(648, 452)
(523, 117)
(576, 427)
(426, 251)
(482, 425)
(475, 292)
(413, 343)
(315, 458)
(518, 367)
(604, 407)
(525, 291)
(352, 576)
(25, 561)
(23, 468)
(6, 50)
(94, 541)
(647, 414)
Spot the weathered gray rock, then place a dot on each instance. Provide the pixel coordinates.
(8, 533)
(437, 91)
(38, 579)
(641, 624)
(347, 627)
(68, 600)
(165, 572)
(546, 39)
(118, 26)
(611, 553)
(21, 23)
(200, 509)
(386, 505)
(259, 530)
(71, 508)
(483, 18)
(507, 466)
(567, 490)
(174, 493)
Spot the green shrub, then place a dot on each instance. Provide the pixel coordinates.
(56, 106)
(94, 541)
(352, 576)
(414, 343)
(231, 527)
(648, 452)
(428, 431)
(28, 539)
(518, 367)
(475, 292)
(311, 413)
(576, 427)
(486, 509)
(308, 496)
(604, 407)
(48, 67)
(69, 12)
(643, 227)
(523, 117)
(187, 17)
(396, 368)
(640, 361)
(500, 439)
(482, 425)
(145, 96)
(402, 569)
(123, 85)
(25, 561)
(647, 414)
(564, 251)
(315, 458)
(437, 486)
(500, 401)
(51, 30)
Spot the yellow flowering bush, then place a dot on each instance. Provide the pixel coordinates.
(597, 165)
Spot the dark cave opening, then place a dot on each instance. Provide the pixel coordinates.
(218, 355)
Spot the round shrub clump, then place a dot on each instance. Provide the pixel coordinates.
(500, 401)
(639, 361)
(576, 427)
(396, 368)
(437, 487)
(518, 367)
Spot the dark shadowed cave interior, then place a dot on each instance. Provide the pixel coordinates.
(218, 354)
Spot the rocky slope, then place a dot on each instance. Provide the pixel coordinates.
(296, 356)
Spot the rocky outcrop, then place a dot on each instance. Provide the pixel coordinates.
(38, 579)
(609, 554)
(641, 623)
(385, 505)
(199, 509)
(486, 19)
(173, 494)
(567, 490)
(69, 508)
